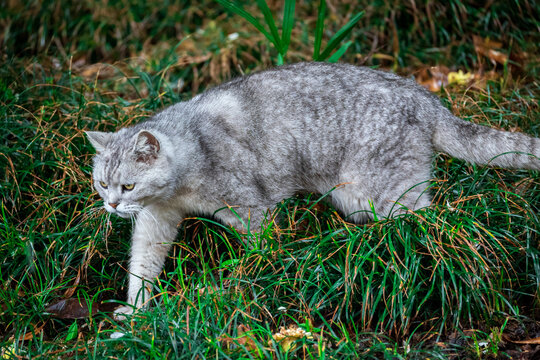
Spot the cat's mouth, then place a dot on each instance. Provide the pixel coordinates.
(122, 214)
(125, 212)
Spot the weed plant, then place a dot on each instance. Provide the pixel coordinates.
(441, 282)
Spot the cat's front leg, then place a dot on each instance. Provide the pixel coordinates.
(153, 236)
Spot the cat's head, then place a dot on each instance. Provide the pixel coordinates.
(131, 170)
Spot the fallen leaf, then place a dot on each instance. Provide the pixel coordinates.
(30, 335)
(242, 339)
(486, 47)
(534, 341)
(71, 309)
(480, 80)
(459, 77)
(188, 60)
(433, 78)
(497, 56)
(519, 59)
(99, 71)
(383, 56)
(71, 290)
(208, 290)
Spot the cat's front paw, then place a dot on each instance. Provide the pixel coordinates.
(122, 312)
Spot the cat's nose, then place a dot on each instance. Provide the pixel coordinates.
(113, 205)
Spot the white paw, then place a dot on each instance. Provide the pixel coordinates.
(121, 313)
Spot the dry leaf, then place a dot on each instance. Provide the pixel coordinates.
(30, 335)
(71, 309)
(535, 341)
(381, 56)
(99, 71)
(188, 60)
(480, 80)
(208, 290)
(243, 338)
(433, 78)
(70, 291)
(486, 47)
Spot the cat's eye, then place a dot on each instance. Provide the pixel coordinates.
(103, 185)
(128, 187)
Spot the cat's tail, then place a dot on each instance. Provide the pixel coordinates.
(484, 145)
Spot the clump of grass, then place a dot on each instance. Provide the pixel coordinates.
(281, 43)
(392, 288)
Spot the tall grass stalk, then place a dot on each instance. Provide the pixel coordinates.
(281, 43)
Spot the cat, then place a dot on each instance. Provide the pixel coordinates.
(238, 149)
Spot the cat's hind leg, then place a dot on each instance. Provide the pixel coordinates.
(401, 200)
(359, 204)
(352, 203)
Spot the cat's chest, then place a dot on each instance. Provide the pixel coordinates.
(191, 202)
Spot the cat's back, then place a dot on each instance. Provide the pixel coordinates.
(330, 79)
(308, 103)
(319, 90)
(316, 72)
(313, 78)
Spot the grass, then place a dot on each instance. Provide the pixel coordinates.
(459, 279)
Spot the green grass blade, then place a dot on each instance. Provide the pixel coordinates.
(279, 59)
(73, 331)
(339, 53)
(271, 24)
(340, 35)
(243, 13)
(288, 24)
(321, 14)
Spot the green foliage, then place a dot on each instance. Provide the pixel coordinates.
(282, 43)
(335, 40)
(394, 288)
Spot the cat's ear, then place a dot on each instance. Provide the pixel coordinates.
(146, 146)
(98, 139)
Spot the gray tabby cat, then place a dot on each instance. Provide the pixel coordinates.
(256, 140)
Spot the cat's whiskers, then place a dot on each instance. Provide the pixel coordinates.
(135, 212)
(147, 212)
(132, 219)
